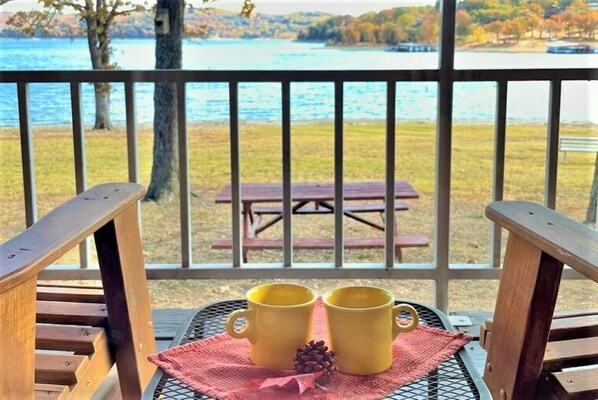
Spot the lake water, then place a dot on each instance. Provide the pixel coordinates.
(473, 102)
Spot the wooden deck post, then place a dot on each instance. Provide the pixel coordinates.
(127, 299)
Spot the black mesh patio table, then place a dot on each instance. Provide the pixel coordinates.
(456, 378)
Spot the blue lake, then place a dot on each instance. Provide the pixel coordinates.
(473, 102)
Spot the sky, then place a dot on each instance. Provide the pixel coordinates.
(352, 7)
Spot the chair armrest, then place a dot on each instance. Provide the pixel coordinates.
(562, 238)
(25, 255)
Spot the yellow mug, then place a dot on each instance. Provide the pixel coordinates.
(362, 324)
(279, 321)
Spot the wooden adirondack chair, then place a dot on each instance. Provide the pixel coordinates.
(96, 328)
(522, 363)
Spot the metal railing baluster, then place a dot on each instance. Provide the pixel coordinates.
(552, 143)
(339, 150)
(286, 176)
(132, 145)
(235, 172)
(80, 159)
(389, 212)
(498, 180)
(27, 156)
(184, 187)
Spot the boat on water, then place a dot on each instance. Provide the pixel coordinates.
(411, 47)
(571, 48)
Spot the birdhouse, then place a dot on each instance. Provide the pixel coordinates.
(161, 22)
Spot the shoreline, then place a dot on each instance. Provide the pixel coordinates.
(524, 46)
(121, 127)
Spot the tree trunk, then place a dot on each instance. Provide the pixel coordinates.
(165, 167)
(100, 58)
(591, 213)
(102, 98)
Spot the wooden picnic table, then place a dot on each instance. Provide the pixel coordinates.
(322, 197)
(272, 192)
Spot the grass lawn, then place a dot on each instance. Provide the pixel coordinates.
(312, 148)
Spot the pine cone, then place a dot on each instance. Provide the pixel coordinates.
(315, 357)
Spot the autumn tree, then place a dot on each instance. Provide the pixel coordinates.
(463, 22)
(97, 17)
(515, 28)
(478, 33)
(428, 30)
(552, 26)
(496, 27)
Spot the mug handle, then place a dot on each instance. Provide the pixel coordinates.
(397, 328)
(231, 320)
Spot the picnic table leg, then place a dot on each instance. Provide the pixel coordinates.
(278, 217)
(247, 215)
(398, 251)
(353, 216)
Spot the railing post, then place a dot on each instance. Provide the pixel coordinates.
(443, 150)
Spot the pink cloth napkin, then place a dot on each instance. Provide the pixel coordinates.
(219, 366)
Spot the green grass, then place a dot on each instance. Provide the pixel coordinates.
(313, 160)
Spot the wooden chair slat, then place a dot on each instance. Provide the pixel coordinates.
(563, 327)
(62, 369)
(55, 312)
(75, 294)
(579, 384)
(44, 391)
(92, 375)
(574, 313)
(67, 285)
(570, 353)
(79, 339)
(573, 327)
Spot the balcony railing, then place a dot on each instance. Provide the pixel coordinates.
(439, 270)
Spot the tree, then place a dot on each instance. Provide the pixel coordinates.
(463, 23)
(552, 27)
(428, 30)
(515, 28)
(98, 17)
(496, 27)
(169, 55)
(478, 33)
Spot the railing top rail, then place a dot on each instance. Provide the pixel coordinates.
(408, 75)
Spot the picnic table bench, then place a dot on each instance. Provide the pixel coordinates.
(321, 196)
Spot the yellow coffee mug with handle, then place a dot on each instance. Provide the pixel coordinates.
(362, 324)
(278, 321)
